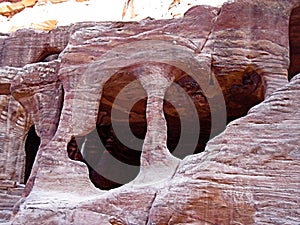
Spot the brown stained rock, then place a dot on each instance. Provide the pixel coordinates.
(233, 57)
(5, 89)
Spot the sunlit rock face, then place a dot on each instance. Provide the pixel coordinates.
(143, 106)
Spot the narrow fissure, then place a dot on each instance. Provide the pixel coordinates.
(61, 105)
(294, 38)
(32, 144)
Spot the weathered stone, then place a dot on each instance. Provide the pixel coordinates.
(224, 61)
(43, 99)
(13, 127)
(41, 45)
(5, 184)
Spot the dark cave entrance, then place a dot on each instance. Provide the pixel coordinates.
(294, 37)
(112, 150)
(121, 124)
(48, 54)
(32, 144)
(240, 94)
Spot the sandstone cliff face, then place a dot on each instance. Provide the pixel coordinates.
(15, 47)
(13, 127)
(80, 80)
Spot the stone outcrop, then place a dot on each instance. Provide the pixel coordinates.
(12, 132)
(15, 47)
(96, 81)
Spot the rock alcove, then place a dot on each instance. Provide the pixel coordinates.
(294, 33)
(32, 144)
(121, 125)
(249, 44)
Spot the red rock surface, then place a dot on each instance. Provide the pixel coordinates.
(226, 60)
(41, 45)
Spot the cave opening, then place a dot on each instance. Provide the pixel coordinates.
(294, 39)
(121, 124)
(185, 106)
(241, 91)
(119, 133)
(32, 144)
(48, 54)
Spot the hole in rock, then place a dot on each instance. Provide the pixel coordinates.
(185, 98)
(112, 150)
(32, 144)
(187, 113)
(294, 38)
(48, 54)
(242, 91)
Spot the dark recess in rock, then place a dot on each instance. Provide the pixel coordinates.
(48, 54)
(294, 33)
(31, 148)
(244, 93)
(249, 174)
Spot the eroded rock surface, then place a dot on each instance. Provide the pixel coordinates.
(216, 63)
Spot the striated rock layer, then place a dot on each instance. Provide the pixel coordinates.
(158, 79)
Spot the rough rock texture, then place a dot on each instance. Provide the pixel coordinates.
(14, 122)
(15, 47)
(226, 60)
(224, 188)
(44, 96)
